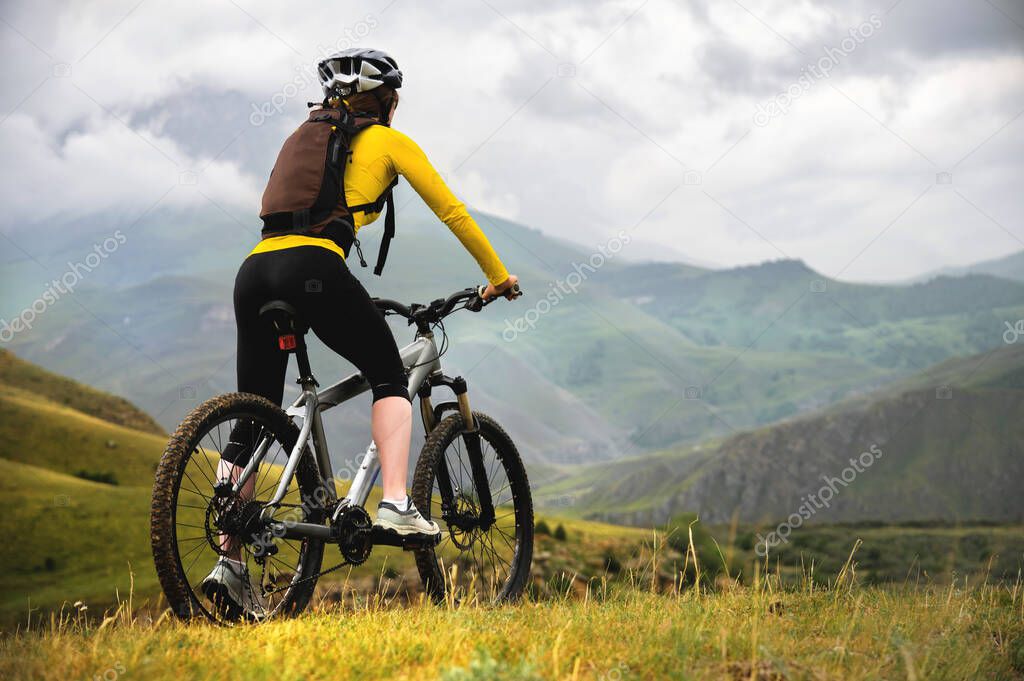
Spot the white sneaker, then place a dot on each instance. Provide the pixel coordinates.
(404, 522)
(229, 588)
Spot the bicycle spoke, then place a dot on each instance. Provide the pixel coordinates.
(196, 488)
(197, 527)
(191, 551)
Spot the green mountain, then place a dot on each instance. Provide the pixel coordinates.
(945, 444)
(787, 307)
(1007, 267)
(636, 358)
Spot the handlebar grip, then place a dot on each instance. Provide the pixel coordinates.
(516, 290)
(477, 303)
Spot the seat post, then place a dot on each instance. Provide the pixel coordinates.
(289, 327)
(302, 357)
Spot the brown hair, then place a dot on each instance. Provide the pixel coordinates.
(376, 103)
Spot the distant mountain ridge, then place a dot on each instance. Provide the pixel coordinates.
(951, 443)
(608, 370)
(1008, 267)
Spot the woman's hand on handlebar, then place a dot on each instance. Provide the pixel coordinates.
(505, 289)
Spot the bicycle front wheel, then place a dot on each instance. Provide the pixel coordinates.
(474, 486)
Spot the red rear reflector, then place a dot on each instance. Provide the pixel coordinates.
(286, 342)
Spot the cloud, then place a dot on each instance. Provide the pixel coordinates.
(106, 168)
(577, 118)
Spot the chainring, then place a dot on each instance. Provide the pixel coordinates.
(354, 529)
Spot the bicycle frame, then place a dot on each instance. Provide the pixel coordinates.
(420, 359)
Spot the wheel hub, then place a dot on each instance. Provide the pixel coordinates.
(234, 517)
(464, 522)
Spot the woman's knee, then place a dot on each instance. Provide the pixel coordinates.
(392, 388)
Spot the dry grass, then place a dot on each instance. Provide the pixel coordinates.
(606, 631)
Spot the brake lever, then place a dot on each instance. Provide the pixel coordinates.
(478, 303)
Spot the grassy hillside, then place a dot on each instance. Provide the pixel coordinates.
(17, 373)
(73, 540)
(75, 537)
(45, 434)
(943, 445)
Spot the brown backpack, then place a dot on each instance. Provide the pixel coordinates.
(305, 193)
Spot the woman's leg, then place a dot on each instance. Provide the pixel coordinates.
(342, 315)
(392, 431)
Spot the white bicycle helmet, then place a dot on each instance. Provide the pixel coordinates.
(358, 69)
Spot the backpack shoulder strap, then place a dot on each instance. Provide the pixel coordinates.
(386, 201)
(389, 230)
(383, 202)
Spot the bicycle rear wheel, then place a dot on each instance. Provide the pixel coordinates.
(480, 497)
(187, 517)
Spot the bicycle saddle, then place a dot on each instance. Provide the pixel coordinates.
(285, 321)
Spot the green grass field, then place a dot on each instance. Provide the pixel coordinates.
(79, 596)
(764, 633)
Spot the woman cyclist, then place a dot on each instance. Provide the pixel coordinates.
(303, 262)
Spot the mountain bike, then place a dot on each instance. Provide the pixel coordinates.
(469, 478)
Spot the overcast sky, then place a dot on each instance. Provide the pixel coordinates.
(723, 132)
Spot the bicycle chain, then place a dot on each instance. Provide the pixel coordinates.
(263, 576)
(263, 570)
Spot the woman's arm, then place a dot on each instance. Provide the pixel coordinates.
(413, 165)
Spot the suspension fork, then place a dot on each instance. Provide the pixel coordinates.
(444, 480)
(471, 436)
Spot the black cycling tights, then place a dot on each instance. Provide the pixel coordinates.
(317, 282)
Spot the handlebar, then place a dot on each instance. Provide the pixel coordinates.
(425, 315)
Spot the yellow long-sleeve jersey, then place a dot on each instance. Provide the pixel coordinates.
(379, 154)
